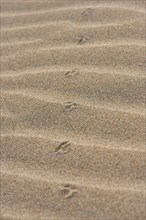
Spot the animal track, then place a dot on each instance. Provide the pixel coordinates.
(72, 73)
(86, 12)
(69, 106)
(68, 190)
(63, 147)
(82, 39)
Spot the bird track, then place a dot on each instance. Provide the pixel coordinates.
(62, 148)
(69, 106)
(82, 39)
(86, 12)
(72, 73)
(68, 191)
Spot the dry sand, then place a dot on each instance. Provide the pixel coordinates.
(72, 116)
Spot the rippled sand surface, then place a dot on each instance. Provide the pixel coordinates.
(73, 113)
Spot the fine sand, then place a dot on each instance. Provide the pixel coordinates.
(73, 113)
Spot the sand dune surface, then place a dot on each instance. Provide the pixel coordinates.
(73, 110)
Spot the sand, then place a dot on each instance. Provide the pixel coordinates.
(73, 110)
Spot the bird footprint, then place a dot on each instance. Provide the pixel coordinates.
(82, 39)
(69, 106)
(72, 73)
(86, 12)
(63, 147)
(68, 190)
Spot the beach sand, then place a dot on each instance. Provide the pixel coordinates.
(73, 110)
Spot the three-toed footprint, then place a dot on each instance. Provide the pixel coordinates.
(68, 190)
(63, 147)
(82, 39)
(72, 73)
(86, 12)
(69, 106)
